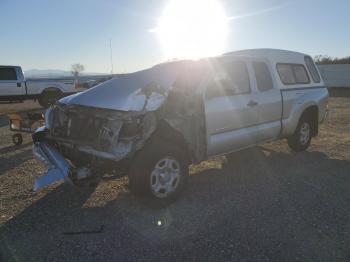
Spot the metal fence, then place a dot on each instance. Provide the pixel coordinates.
(336, 75)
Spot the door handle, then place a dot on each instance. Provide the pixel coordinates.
(19, 84)
(252, 103)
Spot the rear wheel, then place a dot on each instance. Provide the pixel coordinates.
(48, 98)
(301, 138)
(159, 172)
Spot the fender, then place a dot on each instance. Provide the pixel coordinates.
(53, 88)
(294, 107)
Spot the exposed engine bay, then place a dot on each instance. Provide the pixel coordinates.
(101, 133)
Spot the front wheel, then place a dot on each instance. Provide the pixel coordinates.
(159, 172)
(301, 138)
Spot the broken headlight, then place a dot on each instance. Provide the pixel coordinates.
(130, 128)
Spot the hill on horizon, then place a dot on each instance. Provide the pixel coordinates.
(50, 73)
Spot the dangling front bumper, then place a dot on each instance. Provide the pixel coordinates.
(58, 168)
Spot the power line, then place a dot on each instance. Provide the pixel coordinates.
(111, 52)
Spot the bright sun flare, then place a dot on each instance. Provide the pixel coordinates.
(192, 29)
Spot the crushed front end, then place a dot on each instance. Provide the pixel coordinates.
(78, 142)
(99, 130)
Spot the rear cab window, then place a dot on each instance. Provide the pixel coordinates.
(292, 74)
(8, 74)
(262, 76)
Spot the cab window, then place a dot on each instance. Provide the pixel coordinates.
(8, 74)
(229, 78)
(262, 76)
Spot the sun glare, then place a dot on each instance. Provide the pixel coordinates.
(192, 29)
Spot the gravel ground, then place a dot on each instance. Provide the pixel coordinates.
(274, 205)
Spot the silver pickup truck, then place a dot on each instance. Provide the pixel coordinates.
(154, 123)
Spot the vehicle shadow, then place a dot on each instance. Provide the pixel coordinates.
(13, 156)
(269, 205)
(11, 148)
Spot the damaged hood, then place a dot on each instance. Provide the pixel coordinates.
(140, 91)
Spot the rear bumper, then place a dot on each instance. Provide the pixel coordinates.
(58, 168)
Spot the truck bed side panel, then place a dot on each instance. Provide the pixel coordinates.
(296, 101)
(38, 86)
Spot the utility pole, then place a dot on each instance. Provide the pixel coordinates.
(110, 47)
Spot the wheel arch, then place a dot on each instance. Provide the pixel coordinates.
(290, 124)
(311, 112)
(165, 132)
(42, 98)
(52, 89)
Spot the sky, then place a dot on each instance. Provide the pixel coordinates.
(41, 34)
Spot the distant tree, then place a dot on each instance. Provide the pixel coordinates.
(344, 60)
(326, 59)
(323, 59)
(76, 69)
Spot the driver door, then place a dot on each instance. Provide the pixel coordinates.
(230, 108)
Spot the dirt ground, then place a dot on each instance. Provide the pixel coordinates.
(272, 205)
(6, 108)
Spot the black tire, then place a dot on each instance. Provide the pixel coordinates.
(17, 139)
(141, 174)
(48, 98)
(300, 141)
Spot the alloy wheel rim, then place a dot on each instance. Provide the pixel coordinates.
(304, 133)
(165, 177)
